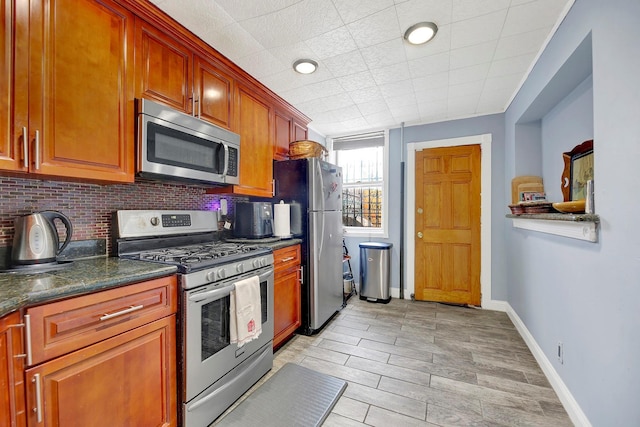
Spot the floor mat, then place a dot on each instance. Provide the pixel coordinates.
(293, 396)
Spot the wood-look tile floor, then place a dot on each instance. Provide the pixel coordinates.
(412, 363)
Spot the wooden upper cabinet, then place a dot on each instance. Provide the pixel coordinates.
(283, 124)
(256, 155)
(299, 131)
(80, 110)
(214, 93)
(162, 68)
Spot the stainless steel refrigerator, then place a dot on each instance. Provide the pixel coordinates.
(314, 189)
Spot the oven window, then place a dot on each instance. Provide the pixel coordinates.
(215, 327)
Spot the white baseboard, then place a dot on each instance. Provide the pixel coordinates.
(576, 414)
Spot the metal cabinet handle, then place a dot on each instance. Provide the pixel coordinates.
(301, 280)
(121, 312)
(38, 408)
(27, 337)
(25, 148)
(288, 258)
(37, 150)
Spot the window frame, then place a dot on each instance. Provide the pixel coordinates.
(383, 231)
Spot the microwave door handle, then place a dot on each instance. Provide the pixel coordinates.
(226, 160)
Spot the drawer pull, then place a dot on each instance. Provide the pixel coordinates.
(287, 259)
(121, 312)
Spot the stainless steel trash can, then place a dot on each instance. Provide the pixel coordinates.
(375, 271)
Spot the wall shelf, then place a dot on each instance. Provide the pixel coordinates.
(581, 226)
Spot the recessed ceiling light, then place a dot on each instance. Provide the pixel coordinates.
(421, 33)
(305, 66)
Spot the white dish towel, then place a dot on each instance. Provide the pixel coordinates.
(245, 311)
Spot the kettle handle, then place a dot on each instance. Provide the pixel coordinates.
(51, 215)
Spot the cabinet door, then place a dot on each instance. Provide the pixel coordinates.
(214, 92)
(14, 85)
(11, 374)
(286, 305)
(283, 136)
(127, 380)
(80, 93)
(256, 155)
(299, 131)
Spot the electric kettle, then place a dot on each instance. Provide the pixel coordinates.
(36, 239)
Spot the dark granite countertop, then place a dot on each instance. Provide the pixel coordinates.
(21, 289)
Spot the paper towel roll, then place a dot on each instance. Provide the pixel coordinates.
(281, 219)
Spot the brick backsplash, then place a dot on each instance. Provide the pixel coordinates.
(90, 206)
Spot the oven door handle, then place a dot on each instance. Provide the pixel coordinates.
(214, 294)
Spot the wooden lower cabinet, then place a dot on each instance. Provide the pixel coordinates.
(286, 294)
(127, 380)
(11, 372)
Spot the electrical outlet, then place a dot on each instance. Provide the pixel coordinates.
(560, 352)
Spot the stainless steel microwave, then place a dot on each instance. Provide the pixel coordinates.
(174, 145)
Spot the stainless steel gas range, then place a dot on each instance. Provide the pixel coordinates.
(214, 371)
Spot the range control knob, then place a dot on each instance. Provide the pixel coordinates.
(211, 276)
(240, 268)
(263, 262)
(155, 221)
(222, 273)
(256, 263)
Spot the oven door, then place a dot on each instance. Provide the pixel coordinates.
(207, 351)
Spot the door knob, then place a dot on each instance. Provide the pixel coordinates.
(420, 211)
(420, 234)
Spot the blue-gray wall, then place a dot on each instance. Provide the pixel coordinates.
(585, 85)
(583, 294)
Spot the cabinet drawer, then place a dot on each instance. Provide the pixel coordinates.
(64, 326)
(286, 258)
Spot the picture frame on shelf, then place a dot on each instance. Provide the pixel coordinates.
(578, 169)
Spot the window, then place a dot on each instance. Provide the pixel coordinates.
(363, 159)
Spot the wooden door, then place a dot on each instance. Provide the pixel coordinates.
(127, 380)
(214, 92)
(286, 294)
(11, 372)
(80, 93)
(162, 69)
(447, 241)
(256, 153)
(299, 131)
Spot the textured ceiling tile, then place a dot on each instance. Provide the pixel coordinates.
(288, 54)
(345, 64)
(232, 41)
(340, 100)
(354, 124)
(314, 107)
(414, 11)
(462, 106)
(377, 28)
(401, 101)
(366, 95)
(433, 108)
(301, 21)
(468, 74)
(519, 44)
(401, 87)
(352, 10)
(473, 55)
(494, 100)
(210, 14)
(477, 30)
(428, 65)
(510, 82)
(440, 43)
(466, 9)
(431, 81)
(283, 81)
(261, 64)
(245, 9)
(432, 95)
(332, 43)
(380, 120)
(392, 73)
(357, 81)
(347, 113)
(532, 16)
(373, 107)
(384, 54)
(517, 64)
(466, 89)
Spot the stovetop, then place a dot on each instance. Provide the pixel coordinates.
(200, 256)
